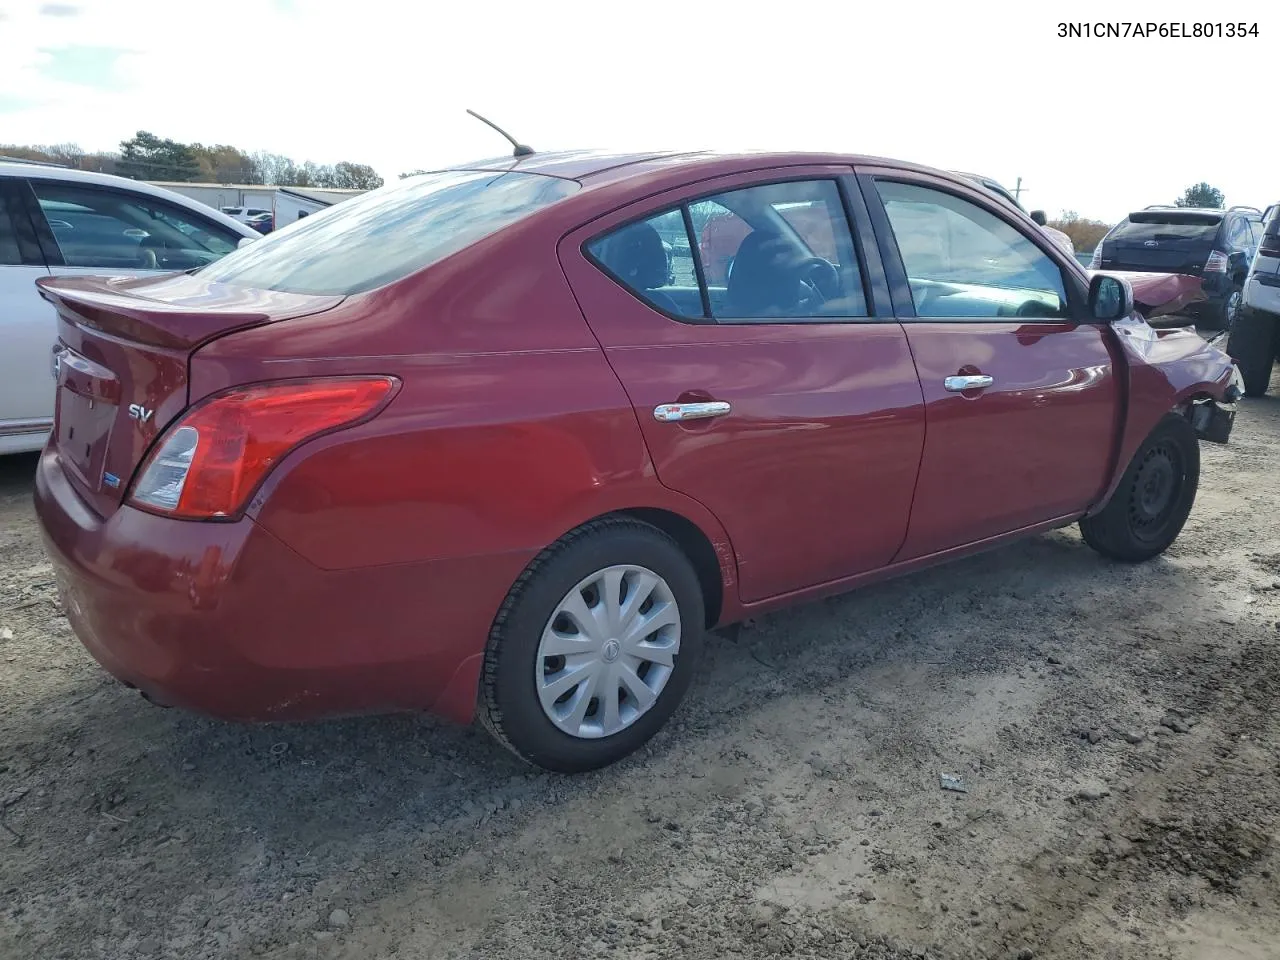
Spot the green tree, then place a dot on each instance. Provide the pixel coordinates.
(222, 163)
(355, 176)
(1201, 195)
(412, 173)
(147, 157)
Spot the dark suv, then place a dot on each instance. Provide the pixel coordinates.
(1215, 245)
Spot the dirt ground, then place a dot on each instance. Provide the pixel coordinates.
(1117, 729)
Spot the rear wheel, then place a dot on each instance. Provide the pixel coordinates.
(594, 647)
(1227, 314)
(1252, 345)
(1154, 498)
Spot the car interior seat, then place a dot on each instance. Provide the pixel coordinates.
(762, 282)
(636, 254)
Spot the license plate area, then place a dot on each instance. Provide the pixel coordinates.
(85, 412)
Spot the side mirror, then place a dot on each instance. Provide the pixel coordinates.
(1039, 217)
(1110, 298)
(244, 241)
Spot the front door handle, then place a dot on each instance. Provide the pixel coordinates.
(959, 384)
(671, 412)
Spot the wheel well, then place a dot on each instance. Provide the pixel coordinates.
(696, 547)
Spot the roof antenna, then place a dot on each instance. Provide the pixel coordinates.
(521, 150)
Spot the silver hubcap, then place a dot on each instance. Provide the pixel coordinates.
(608, 651)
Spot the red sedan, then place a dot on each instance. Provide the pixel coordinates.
(473, 443)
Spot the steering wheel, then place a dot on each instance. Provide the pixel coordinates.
(819, 281)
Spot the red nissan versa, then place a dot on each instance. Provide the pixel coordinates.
(461, 444)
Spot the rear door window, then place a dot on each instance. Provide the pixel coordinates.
(778, 252)
(1238, 235)
(654, 260)
(386, 234)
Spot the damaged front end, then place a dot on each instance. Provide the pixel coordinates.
(1213, 419)
(1175, 368)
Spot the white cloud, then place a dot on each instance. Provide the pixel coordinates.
(1100, 126)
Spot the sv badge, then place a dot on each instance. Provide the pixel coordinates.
(139, 412)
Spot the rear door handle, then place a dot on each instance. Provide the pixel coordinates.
(959, 384)
(671, 412)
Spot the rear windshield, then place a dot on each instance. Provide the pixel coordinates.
(1170, 225)
(381, 236)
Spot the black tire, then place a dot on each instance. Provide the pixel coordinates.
(1139, 523)
(1252, 345)
(510, 707)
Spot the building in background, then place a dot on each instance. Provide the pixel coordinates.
(249, 203)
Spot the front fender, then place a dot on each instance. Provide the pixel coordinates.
(1168, 370)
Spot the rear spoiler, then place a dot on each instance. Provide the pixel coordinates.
(176, 311)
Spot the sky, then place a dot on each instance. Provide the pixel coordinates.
(1099, 126)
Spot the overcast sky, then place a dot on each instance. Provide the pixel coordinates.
(1100, 126)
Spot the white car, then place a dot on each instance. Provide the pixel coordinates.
(1254, 342)
(58, 221)
(1262, 288)
(244, 214)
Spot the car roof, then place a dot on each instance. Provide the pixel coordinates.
(41, 171)
(596, 167)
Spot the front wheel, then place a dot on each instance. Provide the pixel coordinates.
(1154, 498)
(594, 647)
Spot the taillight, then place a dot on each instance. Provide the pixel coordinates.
(1095, 262)
(1217, 262)
(211, 460)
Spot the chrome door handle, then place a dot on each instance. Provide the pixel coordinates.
(671, 412)
(960, 384)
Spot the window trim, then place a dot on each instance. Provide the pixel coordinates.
(1075, 282)
(53, 252)
(856, 226)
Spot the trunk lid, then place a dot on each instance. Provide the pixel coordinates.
(121, 363)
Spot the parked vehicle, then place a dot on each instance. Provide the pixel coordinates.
(261, 222)
(458, 444)
(246, 214)
(1214, 245)
(1255, 337)
(60, 222)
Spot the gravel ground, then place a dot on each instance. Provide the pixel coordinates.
(1116, 728)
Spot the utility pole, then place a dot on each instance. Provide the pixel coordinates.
(1017, 191)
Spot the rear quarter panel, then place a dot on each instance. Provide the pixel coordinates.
(510, 428)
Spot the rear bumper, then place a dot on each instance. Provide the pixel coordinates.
(226, 620)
